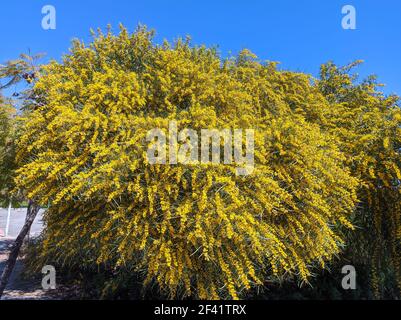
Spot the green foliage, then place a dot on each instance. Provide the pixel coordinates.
(7, 151)
(13, 72)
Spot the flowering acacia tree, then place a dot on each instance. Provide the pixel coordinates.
(197, 230)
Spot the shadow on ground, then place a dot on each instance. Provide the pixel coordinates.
(19, 288)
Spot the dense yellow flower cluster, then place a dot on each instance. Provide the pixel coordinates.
(197, 230)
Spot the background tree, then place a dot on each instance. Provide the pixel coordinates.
(14, 72)
(369, 126)
(365, 124)
(20, 71)
(7, 151)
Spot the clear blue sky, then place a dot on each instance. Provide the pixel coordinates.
(301, 34)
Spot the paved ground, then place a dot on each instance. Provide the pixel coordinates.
(17, 221)
(18, 288)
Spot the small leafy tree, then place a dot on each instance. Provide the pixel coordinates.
(6, 151)
(13, 72)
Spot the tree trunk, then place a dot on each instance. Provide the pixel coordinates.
(32, 211)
